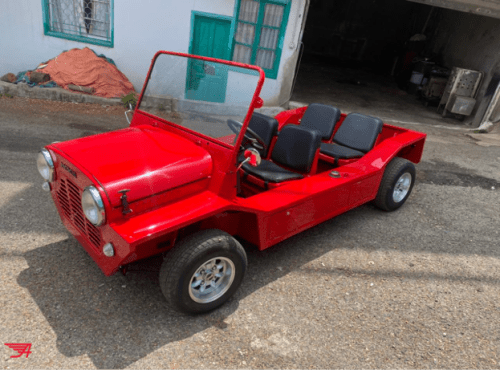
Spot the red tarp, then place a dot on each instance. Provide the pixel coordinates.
(82, 67)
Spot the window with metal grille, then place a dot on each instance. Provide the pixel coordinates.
(260, 32)
(89, 21)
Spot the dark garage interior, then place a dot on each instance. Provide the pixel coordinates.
(393, 58)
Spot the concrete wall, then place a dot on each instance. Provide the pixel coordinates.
(473, 42)
(141, 29)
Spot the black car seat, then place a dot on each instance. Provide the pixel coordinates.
(295, 149)
(266, 127)
(322, 118)
(355, 137)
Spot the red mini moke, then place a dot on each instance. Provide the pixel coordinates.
(198, 170)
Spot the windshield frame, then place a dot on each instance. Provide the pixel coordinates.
(256, 101)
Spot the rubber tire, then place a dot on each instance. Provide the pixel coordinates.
(187, 256)
(394, 170)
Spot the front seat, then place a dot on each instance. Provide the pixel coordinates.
(322, 118)
(295, 148)
(354, 138)
(266, 127)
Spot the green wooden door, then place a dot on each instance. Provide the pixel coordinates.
(210, 38)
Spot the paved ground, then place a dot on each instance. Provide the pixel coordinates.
(415, 288)
(362, 91)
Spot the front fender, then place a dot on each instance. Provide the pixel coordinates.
(150, 233)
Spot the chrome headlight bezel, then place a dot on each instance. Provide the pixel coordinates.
(93, 206)
(45, 165)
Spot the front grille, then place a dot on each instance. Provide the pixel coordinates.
(69, 196)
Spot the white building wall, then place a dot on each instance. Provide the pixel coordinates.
(278, 92)
(140, 29)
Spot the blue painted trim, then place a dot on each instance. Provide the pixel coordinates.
(270, 73)
(191, 33)
(225, 18)
(219, 17)
(112, 23)
(212, 15)
(88, 40)
(235, 24)
(78, 38)
(45, 16)
(246, 71)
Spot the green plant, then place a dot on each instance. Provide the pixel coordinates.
(129, 99)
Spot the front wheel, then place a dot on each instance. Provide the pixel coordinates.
(203, 271)
(396, 185)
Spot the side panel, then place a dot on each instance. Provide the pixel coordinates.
(298, 205)
(365, 190)
(298, 217)
(274, 215)
(289, 209)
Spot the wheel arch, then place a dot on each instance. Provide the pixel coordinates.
(194, 264)
(413, 151)
(236, 223)
(392, 183)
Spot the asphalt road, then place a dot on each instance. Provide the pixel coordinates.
(415, 288)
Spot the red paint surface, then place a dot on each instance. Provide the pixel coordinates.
(179, 178)
(145, 159)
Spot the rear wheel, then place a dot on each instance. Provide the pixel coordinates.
(203, 271)
(396, 185)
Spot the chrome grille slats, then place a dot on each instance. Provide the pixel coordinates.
(93, 234)
(76, 207)
(69, 196)
(63, 198)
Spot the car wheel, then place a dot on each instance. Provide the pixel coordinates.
(396, 185)
(202, 271)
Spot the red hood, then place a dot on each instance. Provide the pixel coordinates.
(145, 159)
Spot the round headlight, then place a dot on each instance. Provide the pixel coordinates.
(45, 165)
(92, 206)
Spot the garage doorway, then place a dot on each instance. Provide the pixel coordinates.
(356, 52)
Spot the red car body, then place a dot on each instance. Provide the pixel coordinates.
(181, 181)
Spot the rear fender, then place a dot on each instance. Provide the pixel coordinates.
(413, 152)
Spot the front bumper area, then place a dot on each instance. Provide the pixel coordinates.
(67, 193)
(134, 236)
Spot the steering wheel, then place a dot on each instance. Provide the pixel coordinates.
(250, 135)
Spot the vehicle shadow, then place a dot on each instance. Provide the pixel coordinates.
(114, 320)
(118, 320)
